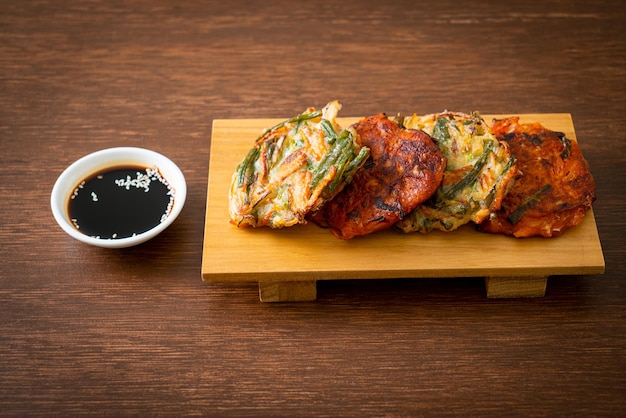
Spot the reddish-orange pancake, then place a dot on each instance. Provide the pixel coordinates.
(555, 188)
(404, 169)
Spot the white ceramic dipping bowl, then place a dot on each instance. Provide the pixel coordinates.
(90, 165)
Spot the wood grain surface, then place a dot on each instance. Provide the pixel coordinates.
(91, 331)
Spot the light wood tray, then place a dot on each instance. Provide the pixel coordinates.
(287, 263)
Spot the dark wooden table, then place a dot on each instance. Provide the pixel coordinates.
(85, 330)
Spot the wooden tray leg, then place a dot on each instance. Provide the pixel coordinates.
(288, 291)
(516, 287)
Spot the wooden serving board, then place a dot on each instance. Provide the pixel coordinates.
(287, 262)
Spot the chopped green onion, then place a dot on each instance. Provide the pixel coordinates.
(329, 159)
(440, 130)
(328, 130)
(473, 174)
(245, 165)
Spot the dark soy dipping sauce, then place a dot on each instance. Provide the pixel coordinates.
(120, 202)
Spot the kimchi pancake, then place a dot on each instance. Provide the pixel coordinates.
(404, 169)
(555, 188)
